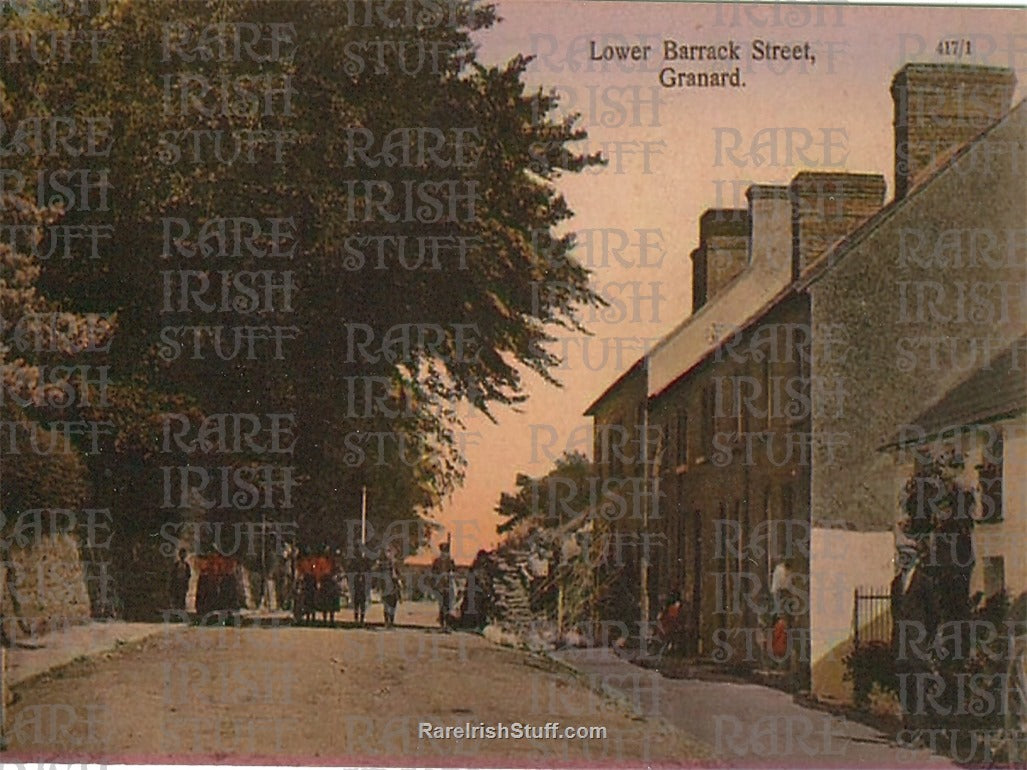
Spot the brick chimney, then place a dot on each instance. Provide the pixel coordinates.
(723, 251)
(698, 277)
(827, 206)
(939, 108)
(770, 212)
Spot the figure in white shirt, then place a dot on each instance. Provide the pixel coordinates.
(781, 587)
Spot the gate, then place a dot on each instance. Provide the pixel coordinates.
(871, 616)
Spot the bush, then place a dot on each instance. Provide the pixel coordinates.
(869, 664)
(39, 471)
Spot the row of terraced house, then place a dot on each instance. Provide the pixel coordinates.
(831, 333)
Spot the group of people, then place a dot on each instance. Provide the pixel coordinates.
(319, 586)
(675, 625)
(315, 584)
(218, 586)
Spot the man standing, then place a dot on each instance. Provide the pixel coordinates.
(914, 607)
(443, 570)
(178, 587)
(391, 587)
(358, 587)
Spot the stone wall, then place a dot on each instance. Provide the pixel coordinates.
(46, 586)
(933, 292)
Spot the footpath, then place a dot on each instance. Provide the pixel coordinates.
(745, 725)
(30, 658)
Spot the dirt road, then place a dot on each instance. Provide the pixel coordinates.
(327, 696)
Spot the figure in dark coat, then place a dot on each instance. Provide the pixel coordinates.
(915, 617)
(178, 587)
(358, 585)
(308, 597)
(328, 598)
(478, 598)
(390, 586)
(443, 570)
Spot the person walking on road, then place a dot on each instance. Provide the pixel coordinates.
(359, 588)
(179, 584)
(391, 587)
(443, 570)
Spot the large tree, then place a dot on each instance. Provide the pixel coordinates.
(561, 495)
(370, 101)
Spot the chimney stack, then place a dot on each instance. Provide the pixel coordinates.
(939, 108)
(722, 254)
(770, 243)
(827, 206)
(698, 277)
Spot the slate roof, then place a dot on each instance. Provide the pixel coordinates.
(636, 367)
(993, 391)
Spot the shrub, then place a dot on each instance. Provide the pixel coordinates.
(869, 664)
(40, 472)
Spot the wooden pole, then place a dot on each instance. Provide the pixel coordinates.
(363, 515)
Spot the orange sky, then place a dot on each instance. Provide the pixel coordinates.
(688, 133)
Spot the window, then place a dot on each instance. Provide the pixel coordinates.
(800, 405)
(994, 575)
(682, 437)
(723, 604)
(769, 555)
(989, 475)
(742, 518)
(725, 410)
(674, 546)
(615, 447)
(709, 406)
(603, 447)
(682, 531)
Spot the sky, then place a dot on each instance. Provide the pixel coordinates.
(673, 153)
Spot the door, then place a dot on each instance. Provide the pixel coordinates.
(695, 640)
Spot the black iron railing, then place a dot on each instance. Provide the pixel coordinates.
(871, 616)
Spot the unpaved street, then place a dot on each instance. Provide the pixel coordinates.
(325, 696)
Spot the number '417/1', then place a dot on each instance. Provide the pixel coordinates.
(954, 47)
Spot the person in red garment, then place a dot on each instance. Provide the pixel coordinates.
(671, 625)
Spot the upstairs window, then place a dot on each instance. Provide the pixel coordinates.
(709, 412)
(800, 408)
(994, 575)
(741, 416)
(989, 476)
(640, 432)
(726, 407)
(682, 437)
